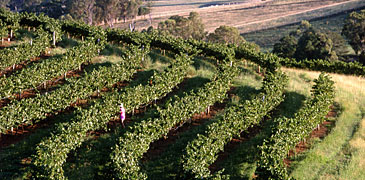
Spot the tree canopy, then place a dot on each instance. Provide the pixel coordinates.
(315, 45)
(89, 11)
(308, 43)
(286, 47)
(226, 34)
(190, 27)
(354, 31)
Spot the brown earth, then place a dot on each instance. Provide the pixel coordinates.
(250, 16)
(320, 132)
(115, 122)
(6, 43)
(23, 131)
(159, 146)
(43, 87)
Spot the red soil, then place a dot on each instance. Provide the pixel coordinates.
(23, 131)
(320, 132)
(301, 147)
(114, 123)
(158, 147)
(44, 87)
(6, 43)
(233, 144)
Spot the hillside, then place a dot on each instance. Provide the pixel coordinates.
(268, 37)
(247, 16)
(192, 108)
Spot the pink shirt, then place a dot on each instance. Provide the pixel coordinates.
(122, 113)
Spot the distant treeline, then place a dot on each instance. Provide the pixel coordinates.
(88, 11)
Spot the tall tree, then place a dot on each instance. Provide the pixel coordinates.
(339, 43)
(315, 45)
(226, 34)
(190, 27)
(52, 8)
(132, 8)
(82, 9)
(354, 31)
(286, 47)
(4, 4)
(108, 11)
(196, 26)
(145, 9)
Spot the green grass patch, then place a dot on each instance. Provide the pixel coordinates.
(333, 156)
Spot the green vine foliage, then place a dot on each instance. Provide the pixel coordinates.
(48, 69)
(10, 20)
(289, 132)
(32, 110)
(79, 29)
(216, 50)
(247, 51)
(25, 51)
(45, 27)
(3, 29)
(52, 152)
(170, 43)
(41, 21)
(203, 151)
(272, 61)
(134, 143)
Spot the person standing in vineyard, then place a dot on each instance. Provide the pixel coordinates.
(122, 114)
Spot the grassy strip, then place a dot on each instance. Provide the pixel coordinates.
(355, 168)
(321, 160)
(289, 132)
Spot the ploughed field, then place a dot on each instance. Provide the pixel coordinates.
(246, 15)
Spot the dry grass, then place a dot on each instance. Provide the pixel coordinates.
(340, 155)
(250, 15)
(355, 169)
(171, 6)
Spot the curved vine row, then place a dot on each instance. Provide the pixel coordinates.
(25, 51)
(134, 143)
(203, 151)
(47, 69)
(31, 110)
(289, 132)
(52, 152)
(248, 52)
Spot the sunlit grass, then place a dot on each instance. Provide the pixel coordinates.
(329, 158)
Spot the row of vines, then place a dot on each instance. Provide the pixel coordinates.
(53, 151)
